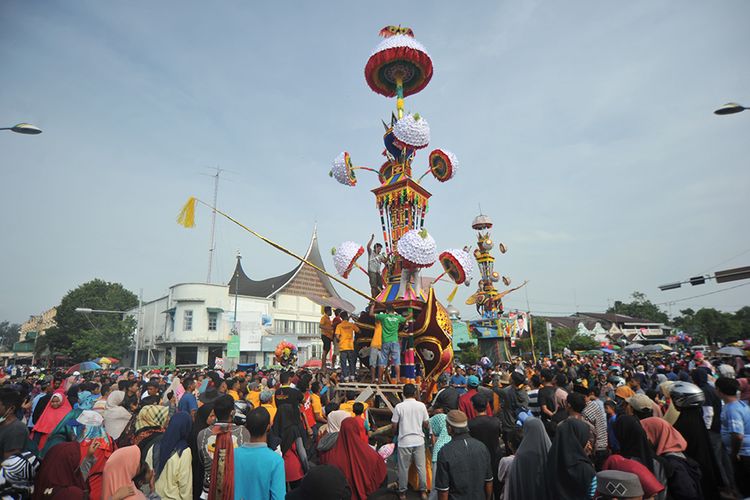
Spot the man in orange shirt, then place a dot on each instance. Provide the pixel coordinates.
(345, 335)
(326, 334)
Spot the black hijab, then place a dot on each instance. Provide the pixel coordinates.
(324, 482)
(569, 468)
(633, 440)
(287, 426)
(690, 424)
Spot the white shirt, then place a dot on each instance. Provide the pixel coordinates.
(410, 415)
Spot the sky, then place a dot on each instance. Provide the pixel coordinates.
(583, 128)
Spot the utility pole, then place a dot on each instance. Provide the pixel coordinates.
(138, 327)
(212, 245)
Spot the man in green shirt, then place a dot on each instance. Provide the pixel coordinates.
(390, 322)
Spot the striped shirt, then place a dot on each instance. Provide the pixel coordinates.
(534, 402)
(594, 414)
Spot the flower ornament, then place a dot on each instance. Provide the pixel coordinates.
(417, 248)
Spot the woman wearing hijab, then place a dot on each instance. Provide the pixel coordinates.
(570, 472)
(683, 474)
(691, 426)
(69, 429)
(122, 467)
(363, 467)
(525, 479)
(174, 472)
(324, 482)
(149, 430)
(288, 428)
(116, 416)
(53, 414)
(635, 446)
(203, 419)
(440, 435)
(60, 475)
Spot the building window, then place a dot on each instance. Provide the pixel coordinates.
(213, 321)
(316, 350)
(186, 355)
(187, 321)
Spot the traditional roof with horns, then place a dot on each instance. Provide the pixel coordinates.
(303, 280)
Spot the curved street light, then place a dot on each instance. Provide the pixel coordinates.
(24, 128)
(730, 108)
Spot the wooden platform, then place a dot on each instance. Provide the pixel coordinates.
(389, 394)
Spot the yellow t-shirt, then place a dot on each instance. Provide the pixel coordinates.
(326, 327)
(345, 333)
(235, 395)
(271, 410)
(316, 406)
(254, 398)
(377, 336)
(347, 406)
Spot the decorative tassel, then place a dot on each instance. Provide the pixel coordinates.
(187, 214)
(453, 294)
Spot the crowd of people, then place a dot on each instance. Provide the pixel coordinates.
(667, 426)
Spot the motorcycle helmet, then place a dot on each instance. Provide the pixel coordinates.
(240, 412)
(686, 395)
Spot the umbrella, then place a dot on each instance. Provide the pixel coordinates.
(607, 350)
(634, 347)
(86, 366)
(106, 361)
(730, 351)
(656, 348)
(312, 363)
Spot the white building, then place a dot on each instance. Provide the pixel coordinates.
(191, 325)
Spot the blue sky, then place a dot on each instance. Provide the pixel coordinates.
(584, 128)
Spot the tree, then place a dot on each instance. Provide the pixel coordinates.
(710, 325)
(469, 354)
(85, 336)
(639, 307)
(9, 334)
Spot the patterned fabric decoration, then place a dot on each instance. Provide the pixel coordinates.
(412, 131)
(458, 264)
(443, 164)
(398, 56)
(345, 256)
(417, 248)
(342, 170)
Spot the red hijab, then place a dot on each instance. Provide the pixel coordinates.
(60, 472)
(363, 467)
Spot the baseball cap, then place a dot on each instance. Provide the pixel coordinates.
(640, 402)
(457, 418)
(615, 483)
(473, 381)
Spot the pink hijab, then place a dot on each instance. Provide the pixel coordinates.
(664, 437)
(119, 471)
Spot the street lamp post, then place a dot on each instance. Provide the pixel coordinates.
(730, 108)
(88, 310)
(24, 128)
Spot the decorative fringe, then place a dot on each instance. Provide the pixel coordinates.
(187, 214)
(453, 294)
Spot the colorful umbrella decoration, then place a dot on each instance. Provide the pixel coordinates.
(343, 171)
(417, 248)
(286, 353)
(399, 66)
(457, 264)
(86, 366)
(345, 257)
(443, 165)
(411, 131)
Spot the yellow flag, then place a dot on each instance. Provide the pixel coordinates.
(453, 294)
(187, 214)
